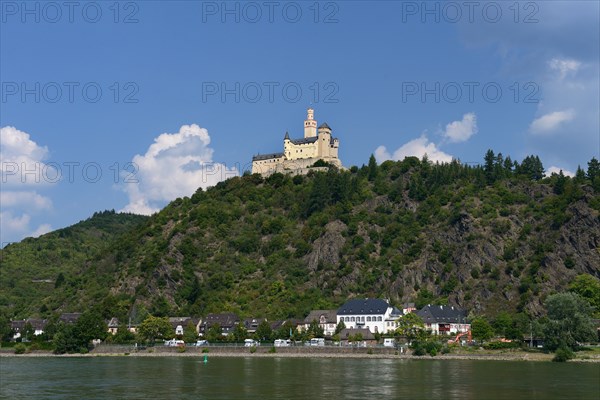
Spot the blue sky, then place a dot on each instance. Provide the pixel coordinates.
(181, 94)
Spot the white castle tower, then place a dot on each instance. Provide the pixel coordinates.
(300, 155)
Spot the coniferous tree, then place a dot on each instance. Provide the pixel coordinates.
(593, 169)
(373, 169)
(488, 166)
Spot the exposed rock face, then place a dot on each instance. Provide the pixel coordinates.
(326, 249)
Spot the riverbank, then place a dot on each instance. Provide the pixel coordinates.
(303, 352)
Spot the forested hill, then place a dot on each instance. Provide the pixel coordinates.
(39, 275)
(490, 238)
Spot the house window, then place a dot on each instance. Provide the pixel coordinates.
(368, 319)
(352, 319)
(379, 319)
(362, 319)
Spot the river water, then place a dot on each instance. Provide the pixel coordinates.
(292, 378)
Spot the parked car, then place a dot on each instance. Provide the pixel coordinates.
(317, 342)
(250, 343)
(389, 342)
(202, 343)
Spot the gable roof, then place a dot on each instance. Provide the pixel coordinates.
(330, 316)
(69, 318)
(226, 320)
(266, 156)
(305, 140)
(363, 307)
(432, 314)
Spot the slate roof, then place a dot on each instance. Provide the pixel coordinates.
(363, 307)
(305, 140)
(324, 125)
(266, 156)
(432, 314)
(37, 324)
(251, 324)
(287, 135)
(183, 321)
(330, 316)
(225, 320)
(113, 323)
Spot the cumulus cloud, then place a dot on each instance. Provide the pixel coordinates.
(551, 121)
(461, 131)
(416, 147)
(555, 170)
(175, 165)
(564, 66)
(18, 201)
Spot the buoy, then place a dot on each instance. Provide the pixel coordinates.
(205, 359)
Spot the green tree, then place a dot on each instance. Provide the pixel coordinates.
(240, 333)
(411, 327)
(123, 335)
(263, 331)
(153, 328)
(481, 329)
(189, 333)
(214, 333)
(373, 169)
(488, 166)
(66, 341)
(315, 330)
(593, 170)
(339, 327)
(569, 321)
(90, 326)
(588, 287)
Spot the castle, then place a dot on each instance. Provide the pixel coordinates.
(299, 155)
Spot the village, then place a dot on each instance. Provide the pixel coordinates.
(358, 323)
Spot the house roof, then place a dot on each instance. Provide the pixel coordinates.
(252, 323)
(113, 323)
(278, 324)
(330, 316)
(324, 126)
(432, 314)
(366, 334)
(17, 324)
(224, 319)
(266, 156)
(183, 321)
(287, 135)
(363, 307)
(37, 324)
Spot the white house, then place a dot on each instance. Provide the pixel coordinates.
(326, 319)
(377, 315)
(444, 320)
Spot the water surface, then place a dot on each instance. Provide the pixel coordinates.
(292, 378)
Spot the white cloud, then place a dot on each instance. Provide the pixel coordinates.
(555, 170)
(564, 66)
(551, 121)
(416, 147)
(461, 131)
(175, 165)
(18, 153)
(21, 168)
(29, 199)
(41, 230)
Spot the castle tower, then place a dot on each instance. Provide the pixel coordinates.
(310, 125)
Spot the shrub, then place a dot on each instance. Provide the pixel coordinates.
(563, 354)
(253, 349)
(272, 350)
(20, 348)
(181, 349)
(205, 350)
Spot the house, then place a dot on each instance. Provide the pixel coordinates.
(180, 323)
(69, 318)
(113, 326)
(375, 315)
(18, 326)
(226, 321)
(408, 308)
(444, 320)
(359, 337)
(327, 320)
(294, 323)
(251, 324)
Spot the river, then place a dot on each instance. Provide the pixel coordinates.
(292, 378)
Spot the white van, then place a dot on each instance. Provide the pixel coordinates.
(389, 342)
(175, 343)
(250, 343)
(317, 342)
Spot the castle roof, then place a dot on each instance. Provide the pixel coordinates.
(266, 156)
(305, 140)
(287, 136)
(324, 126)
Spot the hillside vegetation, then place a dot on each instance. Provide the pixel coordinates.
(490, 238)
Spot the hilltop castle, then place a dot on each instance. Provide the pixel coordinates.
(299, 155)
